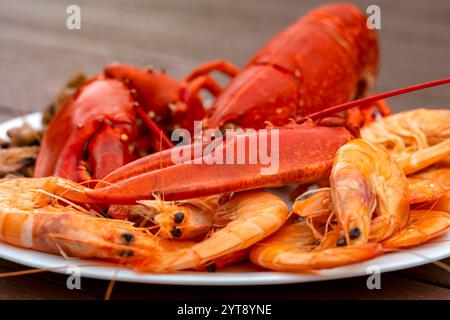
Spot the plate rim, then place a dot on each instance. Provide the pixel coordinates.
(222, 278)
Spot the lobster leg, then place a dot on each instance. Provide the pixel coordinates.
(216, 65)
(354, 117)
(190, 106)
(155, 131)
(170, 103)
(189, 96)
(383, 107)
(362, 116)
(203, 82)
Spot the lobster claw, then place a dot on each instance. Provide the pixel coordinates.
(295, 154)
(171, 103)
(153, 90)
(107, 141)
(102, 110)
(96, 131)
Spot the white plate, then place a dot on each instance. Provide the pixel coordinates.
(243, 274)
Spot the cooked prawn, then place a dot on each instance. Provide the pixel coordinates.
(31, 217)
(294, 248)
(247, 218)
(185, 219)
(417, 138)
(224, 261)
(316, 207)
(423, 225)
(443, 204)
(438, 175)
(366, 181)
(425, 190)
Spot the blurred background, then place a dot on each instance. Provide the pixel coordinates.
(38, 53)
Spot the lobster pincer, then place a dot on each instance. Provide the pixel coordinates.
(120, 116)
(79, 126)
(299, 154)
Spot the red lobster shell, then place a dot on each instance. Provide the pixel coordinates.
(327, 57)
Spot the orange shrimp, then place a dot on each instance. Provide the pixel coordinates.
(32, 217)
(417, 138)
(226, 260)
(439, 175)
(247, 218)
(316, 207)
(443, 204)
(185, 219)
(425, 190)
(314, 203)
(423, 225)
(294, 248)
(365, 182)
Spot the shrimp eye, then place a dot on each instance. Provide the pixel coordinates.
(317, 243)
(128, 237)
(354, 233)
(176, 232)
(341, 242)
(211, 267)
(178, 217)
(126, 253)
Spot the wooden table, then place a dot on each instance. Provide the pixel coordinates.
(38, 54)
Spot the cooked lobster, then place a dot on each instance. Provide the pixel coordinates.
(293, 76)
(327, 57)
(305, 155)
(99, 128)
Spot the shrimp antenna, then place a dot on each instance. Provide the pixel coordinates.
(376, 97)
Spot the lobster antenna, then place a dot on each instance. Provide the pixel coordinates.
(160, 162)
(376, 97)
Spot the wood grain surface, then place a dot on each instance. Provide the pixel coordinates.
(38, 54)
